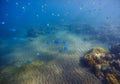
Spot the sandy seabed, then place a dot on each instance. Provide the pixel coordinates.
(51, 67)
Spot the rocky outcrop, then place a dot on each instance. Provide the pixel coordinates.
(115, 50)
(105, 65)
(33, 32)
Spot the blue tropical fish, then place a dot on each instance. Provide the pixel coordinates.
(57, 41)
(65, 48)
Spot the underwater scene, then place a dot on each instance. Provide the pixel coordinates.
(59, 41)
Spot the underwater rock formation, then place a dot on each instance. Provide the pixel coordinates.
(83, 29)
(42, 30)
(104, 33)
(33, 32)
(104, 64)
(92, 58)
(108, 32)
(115, 50)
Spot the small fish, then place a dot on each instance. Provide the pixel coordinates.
(57, 42)
(66, 48)
(29, 61)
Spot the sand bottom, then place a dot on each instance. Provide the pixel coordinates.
(51, 66)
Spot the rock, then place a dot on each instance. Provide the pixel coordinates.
(89, 60)
(92, 58)
(105, 65)
(116, 64)
(98, 52)
(98, 71)
(33, 32)
(115, 50)
(108, 57)
(98, 66)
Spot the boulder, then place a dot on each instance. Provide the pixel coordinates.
(103, 64)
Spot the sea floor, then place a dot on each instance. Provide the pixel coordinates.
(47, 59)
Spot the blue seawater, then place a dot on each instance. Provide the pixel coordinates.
(47, 30)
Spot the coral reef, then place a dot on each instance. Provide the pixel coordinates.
(92, 58)
(105, 65)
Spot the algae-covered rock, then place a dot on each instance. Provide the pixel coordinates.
(115, 50)
(89, 60)
(111, 79)
(99, 50)
(116, 64)
(92, 58)
(102, 62)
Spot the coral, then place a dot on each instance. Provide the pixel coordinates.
(105, 65)
(89, 60)
(111, 79)
(98, 52)
(116, 64)
(92, 58)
